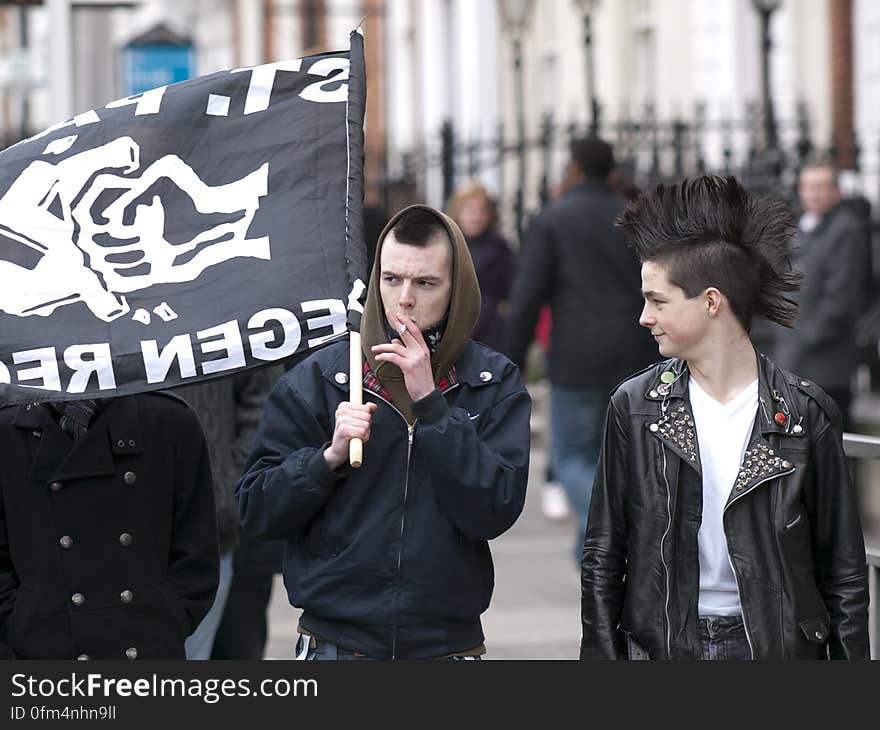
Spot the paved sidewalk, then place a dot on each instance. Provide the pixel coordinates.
(535, 610)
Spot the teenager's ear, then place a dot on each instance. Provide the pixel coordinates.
(713, 299)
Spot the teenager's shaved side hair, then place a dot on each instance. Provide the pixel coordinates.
(710, 232)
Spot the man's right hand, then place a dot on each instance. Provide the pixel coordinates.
(352, 421)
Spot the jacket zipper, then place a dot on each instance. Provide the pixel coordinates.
(410, 431)
(663, 558)
(409, 442)
(730, 560)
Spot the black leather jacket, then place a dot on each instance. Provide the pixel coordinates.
(791, 524)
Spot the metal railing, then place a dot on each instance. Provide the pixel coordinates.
(859, 446)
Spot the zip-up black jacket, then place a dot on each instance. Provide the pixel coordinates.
(791, 524)
(391, 559)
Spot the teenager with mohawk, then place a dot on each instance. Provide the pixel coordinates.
(723, 523)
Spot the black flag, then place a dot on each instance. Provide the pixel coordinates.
(185, 233)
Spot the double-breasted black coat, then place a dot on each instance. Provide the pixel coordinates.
(108, 544)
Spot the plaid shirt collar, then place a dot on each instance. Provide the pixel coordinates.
(371, 382)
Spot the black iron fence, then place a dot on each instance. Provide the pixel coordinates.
(649, 149)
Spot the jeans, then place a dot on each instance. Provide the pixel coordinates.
(723, 638)
(199, 643)
(577, 417)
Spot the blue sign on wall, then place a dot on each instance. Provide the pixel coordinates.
(145, 67)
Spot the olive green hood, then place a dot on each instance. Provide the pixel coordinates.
(461, 316)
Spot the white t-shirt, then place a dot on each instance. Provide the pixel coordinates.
(723, 431)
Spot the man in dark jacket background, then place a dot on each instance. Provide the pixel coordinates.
(391, 560)
(578, 262)
(832, 252)
(108, 538)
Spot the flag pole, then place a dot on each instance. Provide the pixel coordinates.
(356, 394)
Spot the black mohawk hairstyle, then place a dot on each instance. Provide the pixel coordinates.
(710, 231)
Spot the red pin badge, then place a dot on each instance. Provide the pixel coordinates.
(780, 418)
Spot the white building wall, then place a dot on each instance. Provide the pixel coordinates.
(866, 24)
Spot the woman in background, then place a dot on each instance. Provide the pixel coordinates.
(494, 261)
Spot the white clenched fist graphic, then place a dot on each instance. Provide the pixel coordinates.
(95, 255)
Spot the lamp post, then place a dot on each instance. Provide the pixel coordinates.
(587, 7)
(765, 9)
(515, 17)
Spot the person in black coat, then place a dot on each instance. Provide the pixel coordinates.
(108, 537)
(832, 251)
(578, 262)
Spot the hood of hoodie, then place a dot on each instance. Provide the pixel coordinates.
(461, 315)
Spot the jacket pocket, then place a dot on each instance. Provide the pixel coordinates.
(815, 630)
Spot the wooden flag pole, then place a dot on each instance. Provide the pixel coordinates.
(356, 394)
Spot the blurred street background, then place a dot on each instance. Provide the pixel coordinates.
(486, 97)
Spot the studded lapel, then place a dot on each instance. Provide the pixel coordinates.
(677, 430)
(760, 463)
(674, 425)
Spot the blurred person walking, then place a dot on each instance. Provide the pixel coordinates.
(494, 261)
(577, 261)
(832, 252)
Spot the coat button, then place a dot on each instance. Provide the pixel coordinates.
(66, 542)
(83, 657)
(56, 486)
(341, 378)
(125, 539)
(653, 394)
(819, 634)
(485, 376)
(129, 477)
(131, 652)
(38, 434)
(132, 443)
(126, 596)
(805, 383)
(120, 444)
(78, 599)
(797, 429)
